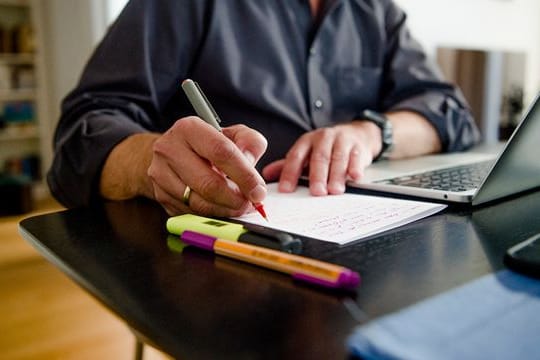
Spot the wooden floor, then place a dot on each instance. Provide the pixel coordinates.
(44, 315)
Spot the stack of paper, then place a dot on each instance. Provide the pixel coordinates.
(337, 218)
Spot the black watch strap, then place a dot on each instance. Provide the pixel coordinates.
(385, 125)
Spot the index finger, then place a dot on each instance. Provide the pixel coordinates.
(223, 153)
(250, 142)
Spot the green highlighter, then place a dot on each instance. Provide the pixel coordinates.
(246, 233)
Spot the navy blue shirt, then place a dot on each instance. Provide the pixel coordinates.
(267, 64)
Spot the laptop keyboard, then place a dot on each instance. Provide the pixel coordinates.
(459, 178)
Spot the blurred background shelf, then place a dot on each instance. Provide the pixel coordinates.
(14, 2)
(17, 95)
(19, 133)
(24, 127)
(16, 59)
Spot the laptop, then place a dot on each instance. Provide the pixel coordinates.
(483, 174)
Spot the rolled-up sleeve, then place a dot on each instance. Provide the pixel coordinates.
(412, 82)
(80, 151)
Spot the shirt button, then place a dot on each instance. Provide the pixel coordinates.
(312, 51)
(318, 104)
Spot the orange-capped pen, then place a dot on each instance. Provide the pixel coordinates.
(299, 267)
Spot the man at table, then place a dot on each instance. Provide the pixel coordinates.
(293, 76)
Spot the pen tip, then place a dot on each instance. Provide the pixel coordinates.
(259, 207)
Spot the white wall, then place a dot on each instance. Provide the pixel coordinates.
(69, 31)
(114, 7)
(72, 28)
(511, 25)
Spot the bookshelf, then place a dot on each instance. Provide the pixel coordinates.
(24, 132)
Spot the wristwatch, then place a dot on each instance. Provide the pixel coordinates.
(386, 131)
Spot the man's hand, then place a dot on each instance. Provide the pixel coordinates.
(340, 153)
(333, 156)
(218, 167)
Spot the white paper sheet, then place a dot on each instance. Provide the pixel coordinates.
(337, 218)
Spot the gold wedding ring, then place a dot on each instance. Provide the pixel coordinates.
(185, 197)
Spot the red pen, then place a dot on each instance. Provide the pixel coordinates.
(206, 111)
(260, 209)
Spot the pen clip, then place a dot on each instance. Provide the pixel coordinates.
(214, 113)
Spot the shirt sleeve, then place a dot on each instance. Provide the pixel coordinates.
(412, 82)
(122, 91)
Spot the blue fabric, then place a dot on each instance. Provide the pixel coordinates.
(494, 317)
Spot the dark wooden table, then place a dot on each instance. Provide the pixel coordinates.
(194, 305)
